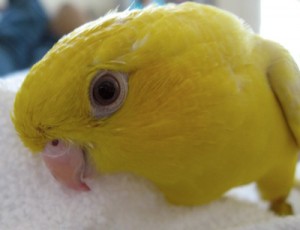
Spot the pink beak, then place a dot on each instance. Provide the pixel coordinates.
(66, 163)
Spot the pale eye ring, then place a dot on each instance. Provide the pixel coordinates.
(108, 92)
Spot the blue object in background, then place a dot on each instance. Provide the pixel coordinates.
(137, 4)
(24, 35)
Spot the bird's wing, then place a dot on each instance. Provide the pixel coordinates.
(284, 78)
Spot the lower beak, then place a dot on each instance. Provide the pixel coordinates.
(66, 163)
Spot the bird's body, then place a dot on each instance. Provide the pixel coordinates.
(210, 105)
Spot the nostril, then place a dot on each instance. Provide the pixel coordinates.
(55, 142)
(66, 163)
(56, 148)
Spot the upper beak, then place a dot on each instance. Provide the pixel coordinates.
(66, 163)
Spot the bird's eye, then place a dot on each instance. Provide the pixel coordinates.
(108, 92)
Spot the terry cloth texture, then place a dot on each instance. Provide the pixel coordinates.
(31, 199)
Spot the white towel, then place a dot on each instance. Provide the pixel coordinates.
(31, 199)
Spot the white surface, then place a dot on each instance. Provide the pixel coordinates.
(31, 199)
(281, 23)
(12, 82)
(249, 11)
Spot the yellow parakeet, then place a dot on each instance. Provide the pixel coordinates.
(186, 96)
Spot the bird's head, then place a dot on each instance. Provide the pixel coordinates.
(116, 89)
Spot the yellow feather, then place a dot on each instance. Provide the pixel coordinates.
(202, 113)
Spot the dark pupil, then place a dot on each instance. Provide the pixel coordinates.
(106, 90)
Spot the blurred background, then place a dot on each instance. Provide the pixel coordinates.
(29, 28)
